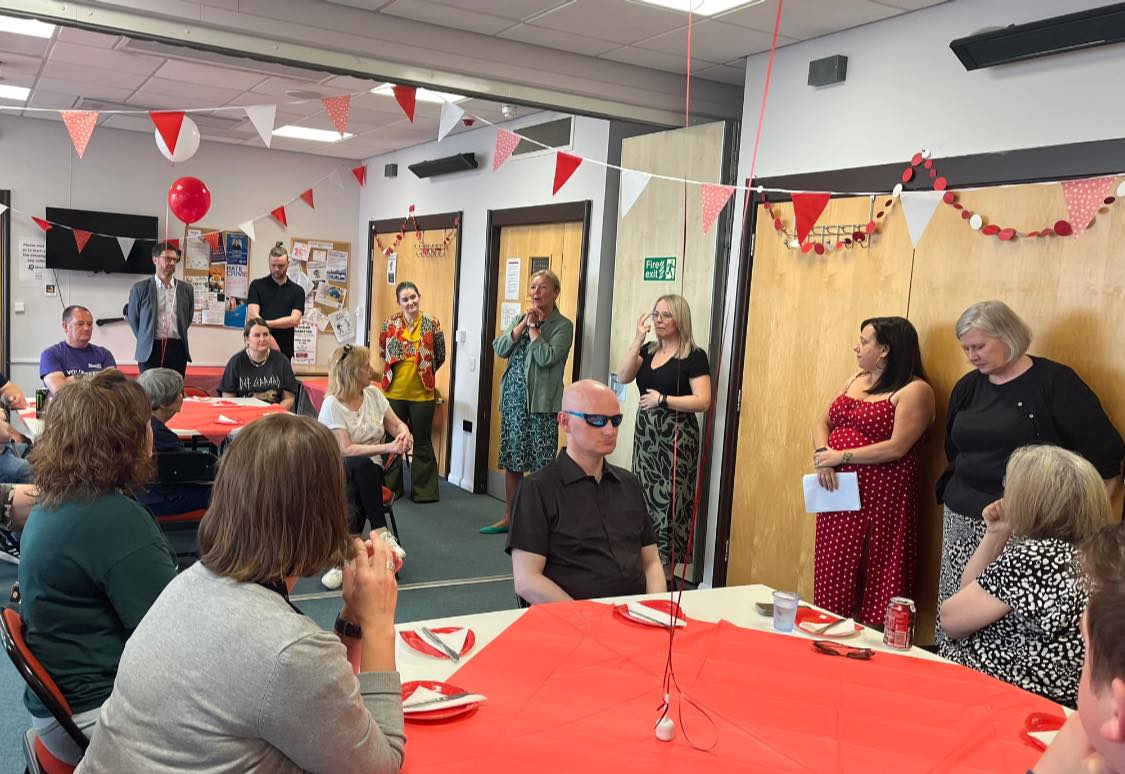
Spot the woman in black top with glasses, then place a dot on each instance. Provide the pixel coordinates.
(674, 380)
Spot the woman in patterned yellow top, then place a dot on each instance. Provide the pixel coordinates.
(412, 346)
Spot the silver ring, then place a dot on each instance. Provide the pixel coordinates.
(390, 565)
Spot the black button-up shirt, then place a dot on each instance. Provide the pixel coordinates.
(591, 532)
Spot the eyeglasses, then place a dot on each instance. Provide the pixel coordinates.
(840, 649)
(598, 420)
(662, 315)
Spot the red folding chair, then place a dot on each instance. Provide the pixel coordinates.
(195, 392)
(39, 758)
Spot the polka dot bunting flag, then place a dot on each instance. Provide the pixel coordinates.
(338, 109)
(80, 124)
(1083, 198)
(714, 197)
(506, 142)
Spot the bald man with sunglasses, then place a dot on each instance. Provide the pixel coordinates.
(579, 526)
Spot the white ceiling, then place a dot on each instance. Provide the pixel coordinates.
(78, 69)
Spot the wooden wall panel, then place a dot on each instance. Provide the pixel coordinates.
(655, 226)
(805, 312)
(562, 242)
(436, 279)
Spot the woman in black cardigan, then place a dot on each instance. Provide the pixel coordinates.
(1010, 400)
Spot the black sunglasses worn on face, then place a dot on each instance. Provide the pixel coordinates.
(598, 420)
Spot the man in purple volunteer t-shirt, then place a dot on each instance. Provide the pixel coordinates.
(75, 355)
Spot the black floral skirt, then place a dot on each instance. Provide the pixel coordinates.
(659, 432)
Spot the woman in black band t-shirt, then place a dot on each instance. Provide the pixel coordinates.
(674, 380)
(1010, 400)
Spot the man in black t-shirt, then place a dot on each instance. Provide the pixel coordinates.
(277, 300)
(579, 526)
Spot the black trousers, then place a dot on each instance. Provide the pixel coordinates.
(166, 353)
(364, 481)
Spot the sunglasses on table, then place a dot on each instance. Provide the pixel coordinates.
(840, 649)
(598, 420)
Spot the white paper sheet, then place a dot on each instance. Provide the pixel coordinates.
(509, 311)
(820, 500)
(512, 280)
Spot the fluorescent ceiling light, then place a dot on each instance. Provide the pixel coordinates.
(422, 95)
(305, 133)
(17, 93)
(701, 7)
(32, 27)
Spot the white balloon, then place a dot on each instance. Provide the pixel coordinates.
(186, 144)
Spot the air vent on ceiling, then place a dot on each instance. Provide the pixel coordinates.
(553, 134)
(456, 163)
(1071, 32)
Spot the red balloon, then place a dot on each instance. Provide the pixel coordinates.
(189, 199)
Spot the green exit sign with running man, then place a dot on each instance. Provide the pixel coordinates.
(660, 268)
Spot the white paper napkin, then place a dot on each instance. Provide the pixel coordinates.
(455, 640)
(223, 419)
(842, 627)
(1046, 737)
(651, 615)
(424, 700)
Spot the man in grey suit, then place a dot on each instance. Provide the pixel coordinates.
(160, 311)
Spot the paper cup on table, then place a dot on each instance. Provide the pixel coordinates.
(785, 610)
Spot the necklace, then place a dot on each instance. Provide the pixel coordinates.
(256, 363)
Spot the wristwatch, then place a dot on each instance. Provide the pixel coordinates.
(348, 629)
(532, 325)
(663, 400)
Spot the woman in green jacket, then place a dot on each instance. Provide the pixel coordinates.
(536, 346)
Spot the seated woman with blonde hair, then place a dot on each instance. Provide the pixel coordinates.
(1016, 616)
(224, 673)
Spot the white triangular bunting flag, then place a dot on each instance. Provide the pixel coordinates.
(3, 208)
(450, 115)
(918, 207)
(336, 179)
(262, 117)
(247, 228)
(632, 186)
(126, 245)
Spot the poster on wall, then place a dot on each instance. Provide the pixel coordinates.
(343, 326)
(238, 259)
(33, 263)
(337, 266)
(509, 311)
(512, 280)
(330, 295)
(304, 343)
(197, 252)
(392, 269)
(300, 251)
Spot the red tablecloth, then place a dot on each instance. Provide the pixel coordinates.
(573, 688)
(206, 378)
(316, 387)
(202, 416)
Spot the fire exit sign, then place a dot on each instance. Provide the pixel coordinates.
(660, 268)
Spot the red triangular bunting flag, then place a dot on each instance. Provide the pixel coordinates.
(279, 215)
(338, 109)
(1083, 198)
(506, 142)
(405, 97)
(80, 124)
(360, 174)
(307, 198)
(806, 209)
(212, 239)
(173, 242)
(81, 238)
(714, 197)
(41, 223)
(168, 124)
(565, 164)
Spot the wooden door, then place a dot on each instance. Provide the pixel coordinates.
(805, 312)
(555, 246)
(434, 271)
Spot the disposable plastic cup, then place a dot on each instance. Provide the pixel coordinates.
(785, 610)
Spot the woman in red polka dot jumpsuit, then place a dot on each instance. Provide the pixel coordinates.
(865, 557)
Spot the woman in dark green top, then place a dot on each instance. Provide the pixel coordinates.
(536, 346)
(92, 560)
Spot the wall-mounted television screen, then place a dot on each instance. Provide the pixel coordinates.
(102, 253)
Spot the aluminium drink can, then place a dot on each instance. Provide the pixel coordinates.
(898, 631)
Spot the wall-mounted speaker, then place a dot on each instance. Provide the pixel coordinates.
(457, 163)
(825, 72)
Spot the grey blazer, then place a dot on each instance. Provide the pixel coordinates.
(144, 306)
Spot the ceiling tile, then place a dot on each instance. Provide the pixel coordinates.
(42, 98)
(133, 123)
(803, 19)
(23, 44)
(724, 74)
(564, 41)
(506, 9)
(87, 38)
(910, 5)
(91, 56)
(447, 16)
(193, 72)
(277, 87)
(615, 20)
(81, 74)
(643, 57)
(91, 90)
(189, 94)
(19, 63)
(713, 41)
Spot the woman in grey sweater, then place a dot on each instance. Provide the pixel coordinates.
(224, 674)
